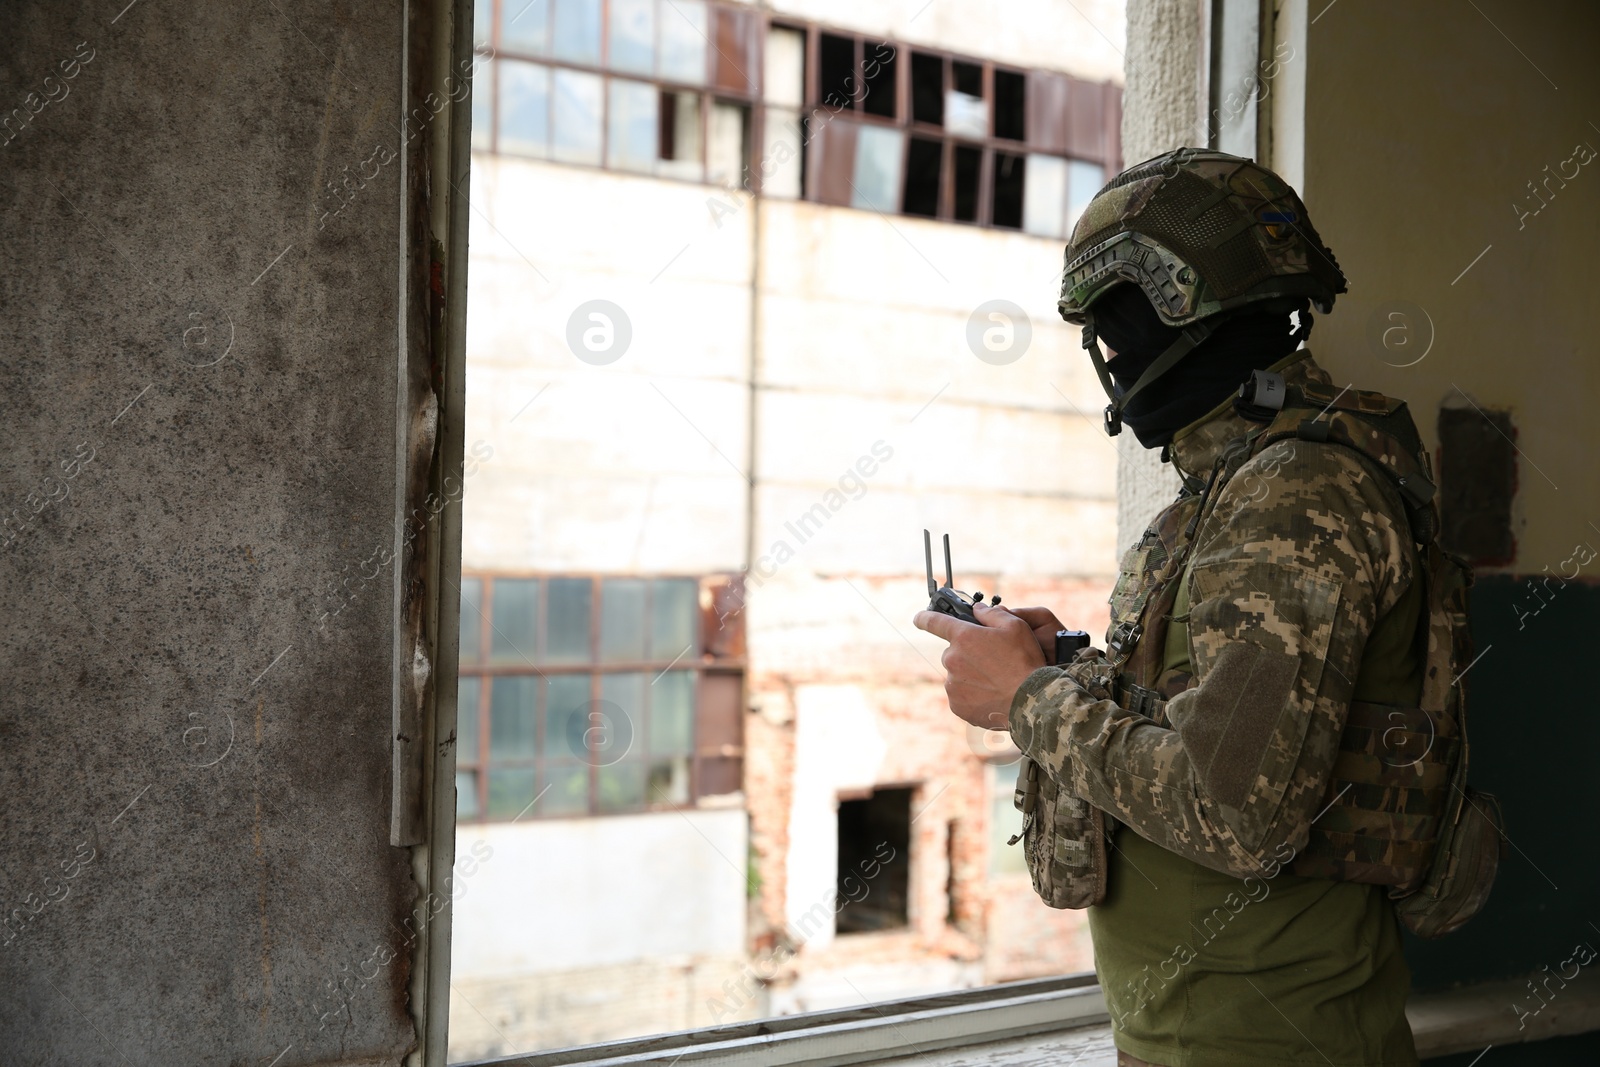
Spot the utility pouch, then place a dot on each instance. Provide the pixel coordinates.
(1464, 864)
(1063, 840)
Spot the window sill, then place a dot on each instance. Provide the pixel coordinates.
(1014, 1022)
(867, 1034)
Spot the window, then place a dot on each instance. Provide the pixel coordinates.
(632, 85)
(874, 861)
(971, 143)
(685, 89)
(591, 695)
(1005, 821)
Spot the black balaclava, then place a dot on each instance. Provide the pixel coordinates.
(1251, 339)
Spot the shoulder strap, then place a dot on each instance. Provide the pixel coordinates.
(1378, 427)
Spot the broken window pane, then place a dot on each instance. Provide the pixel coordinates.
(967, 170)
(512, 699)
(965, 115)
(575, 117)
(927, 88)
(966, 78)
(632, 36)
(632, 126)
(1044, 197)
(876, 183)
(524, 25)
(1083, 182)
(838, 84)
(923, 160)
(680, 136)
(879, 96)
(524, 109)
(780, 153)
(683, 42)
(1010, 109)
(567, 621)
(1006, 206)
(575, 34)
(514, 633)
(785, 74)
(727, 155)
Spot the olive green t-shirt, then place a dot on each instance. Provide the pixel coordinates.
(1284, 970)
(1201, 969)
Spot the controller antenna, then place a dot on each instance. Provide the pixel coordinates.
(949, 575)
(927, 552)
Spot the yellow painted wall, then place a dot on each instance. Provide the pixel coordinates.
(1424, 124)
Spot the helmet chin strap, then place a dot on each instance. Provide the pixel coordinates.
(1192, 335)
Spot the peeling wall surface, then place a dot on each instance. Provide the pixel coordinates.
(199, 421)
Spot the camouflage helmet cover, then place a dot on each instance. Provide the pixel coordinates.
(1200, 232)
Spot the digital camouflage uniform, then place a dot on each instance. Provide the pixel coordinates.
(1291, 568)
(1278, 717)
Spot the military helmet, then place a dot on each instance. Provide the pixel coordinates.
(1202, 233)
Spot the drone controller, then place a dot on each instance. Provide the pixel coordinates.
(946, 599)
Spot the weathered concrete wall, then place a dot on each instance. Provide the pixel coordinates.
(199, 424)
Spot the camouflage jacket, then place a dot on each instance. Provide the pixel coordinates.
(1292, 563)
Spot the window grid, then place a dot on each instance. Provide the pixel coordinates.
(996, 156)
(479, 672)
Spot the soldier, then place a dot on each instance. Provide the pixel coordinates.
(1259, 701)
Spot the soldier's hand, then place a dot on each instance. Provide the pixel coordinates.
(985, 664)
(1045, 624)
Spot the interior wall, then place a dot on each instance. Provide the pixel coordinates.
(1429, 129)
(205, 294)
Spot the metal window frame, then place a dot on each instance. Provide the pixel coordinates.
(868, 1034)
(594, 669)
(755, 105)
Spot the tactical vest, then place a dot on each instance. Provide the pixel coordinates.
(1397, 811)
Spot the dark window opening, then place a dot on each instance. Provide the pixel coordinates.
(927, 88)
(1010, 117)
(878, 68)
(667, 124)
(1007, 207)
(1477, 481)
(922, 178)
(874, 862)
(838, 83)
(968, 173)
(952, 913)
(968, 77)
